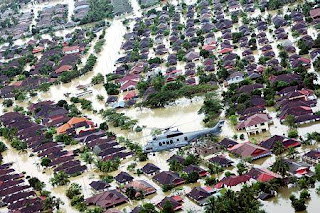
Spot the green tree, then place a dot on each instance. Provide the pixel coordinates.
(278, 148)
(148, 208)
(59, 179)
(193, 177)
(98, 79)
(233, 120)
(174, 165)
(230, 201)
(3, 147)
(87, 157)
(241, 168)
(290, 120)
(36, 183)
(158, 82)
(45, 161)
(167, 207)
(292, 152)
(73, 190)
(293, 133)
(280, 166)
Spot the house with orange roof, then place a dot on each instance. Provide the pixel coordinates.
(76, 125)
(70, 49)
(37, 50)
(63, 68)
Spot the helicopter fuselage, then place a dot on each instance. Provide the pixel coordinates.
(177, 139)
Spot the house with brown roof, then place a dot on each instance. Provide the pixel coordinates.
(312, 157)
(249, 150)
(63, 68)
(194, 168)
(255, 124)
(175, 201)
(205, 148)
(150, 169)
(200, 195)
(287, 142)
(107, 199)
(221, 160)
(315, 13)
(140, 186)
(123, 178)
(168, 178)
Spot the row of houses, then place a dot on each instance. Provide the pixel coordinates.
(15, 193)
(34, 135)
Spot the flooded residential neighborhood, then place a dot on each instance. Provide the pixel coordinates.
(159, 106)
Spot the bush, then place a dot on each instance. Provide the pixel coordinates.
(3, 147)
(293, 133)
(7, 103)
(166, 187)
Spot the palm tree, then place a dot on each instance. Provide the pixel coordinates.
(211, 205)
(278, 148)
(214, 168)
(241, 168)
(292, 152)
(59, 179)
(280, 166)
(87, 157)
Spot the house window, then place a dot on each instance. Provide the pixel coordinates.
(160, 144)
(163, 142)
(185, 138)
(171, 141)
(167, 142)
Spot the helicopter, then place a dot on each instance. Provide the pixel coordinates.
(171, 139)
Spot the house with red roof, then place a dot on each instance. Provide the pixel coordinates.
(209, 47)
(255, 124)
(298, 169)
(262, 174)
(130, 95)
(249, 150)
(287, 142)
(173, 75)
(138, 68)
(225, 50)
(232, 181)
(124, 79)
(129, 85)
